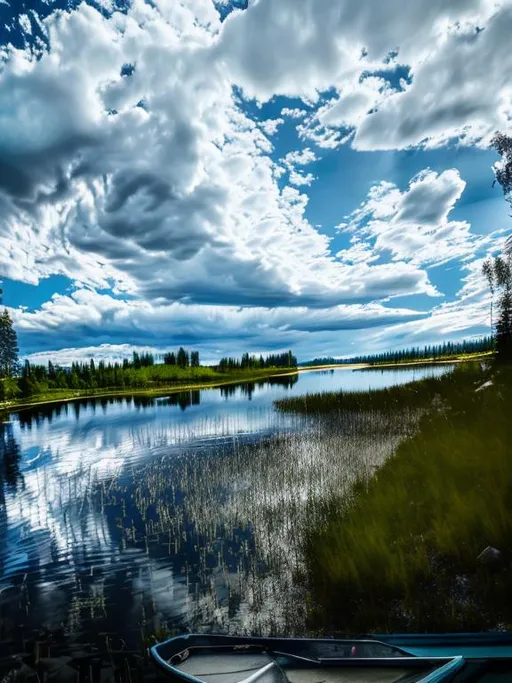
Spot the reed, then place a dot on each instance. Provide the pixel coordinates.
(402, 552)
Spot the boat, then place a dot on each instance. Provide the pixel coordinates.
(382, 658)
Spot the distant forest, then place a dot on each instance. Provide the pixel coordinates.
(142, 371)
(433, 352)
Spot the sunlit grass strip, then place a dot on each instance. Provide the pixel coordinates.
(411, 535)
(177, 381)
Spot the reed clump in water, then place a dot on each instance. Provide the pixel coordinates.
(389, 401)
(233, 518)
(401, 554)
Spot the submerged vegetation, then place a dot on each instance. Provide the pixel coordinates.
(404, 552)
(389, 400)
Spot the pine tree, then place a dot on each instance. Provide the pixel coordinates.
(182, 358)
(8, 347)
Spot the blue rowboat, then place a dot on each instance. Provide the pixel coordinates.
(385, 658)
(491, 645)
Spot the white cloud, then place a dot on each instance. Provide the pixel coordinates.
(458, 89)
(153, 177)
(295, 113)
(270, 126)
(467, 315)
(302, 47)
(300, 157)
(175, 200)
(300, 179)
(413, 225)
(86, 317)
(24, 22)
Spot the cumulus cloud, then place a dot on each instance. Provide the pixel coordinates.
(302, 47)
(299, 179)
(128, 159)
(86, 314)
(270, 126)
(296, 159)
(462, 91)
(467, 315)
(294, 113)
(457, 53)
(412, 225)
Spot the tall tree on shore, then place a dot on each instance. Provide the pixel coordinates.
(8, 346)
(499, 275)
(182, 358)
(498, 271)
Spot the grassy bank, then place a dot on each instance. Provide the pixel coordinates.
(181, 380)
(417, 394)
(402, 553)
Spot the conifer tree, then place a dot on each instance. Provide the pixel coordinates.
(8, 346)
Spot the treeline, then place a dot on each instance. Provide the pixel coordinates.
(280, 360)
(142, 371)
(431, 352)
(182, 358)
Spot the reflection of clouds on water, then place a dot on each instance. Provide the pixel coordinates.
(235, 518)
(129, 510)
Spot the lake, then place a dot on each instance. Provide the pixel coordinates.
(127, 514)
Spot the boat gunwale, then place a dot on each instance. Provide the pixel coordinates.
(447, 664)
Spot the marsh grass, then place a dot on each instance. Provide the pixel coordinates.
(401, 554)
(417, 394)
(367, 513)
(238, 514)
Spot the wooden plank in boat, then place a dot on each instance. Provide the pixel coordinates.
(224, 667)
(346, 675)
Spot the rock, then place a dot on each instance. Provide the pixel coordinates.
(489, 555)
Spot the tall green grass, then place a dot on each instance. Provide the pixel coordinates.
(389, 400)
(402, 552)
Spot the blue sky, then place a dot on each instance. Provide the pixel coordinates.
(249, 176)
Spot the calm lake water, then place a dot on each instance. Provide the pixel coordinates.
(129, 513)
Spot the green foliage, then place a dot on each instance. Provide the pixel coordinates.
(402, 553)
(503, 171)
(434, 352)
(498, 272)
(182, 358)
(280, 360)
(8, 346)
(416, 394)
(139, 374)
(9, 389)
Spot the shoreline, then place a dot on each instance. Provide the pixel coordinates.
(376, 366)
(12, 407)
(150, 393)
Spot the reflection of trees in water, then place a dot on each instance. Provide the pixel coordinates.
(183, 399)
(10, 480)
(10, 474)
(247, 388)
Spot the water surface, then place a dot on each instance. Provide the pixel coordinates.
(124, 514)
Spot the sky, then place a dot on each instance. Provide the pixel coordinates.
(250, 176)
